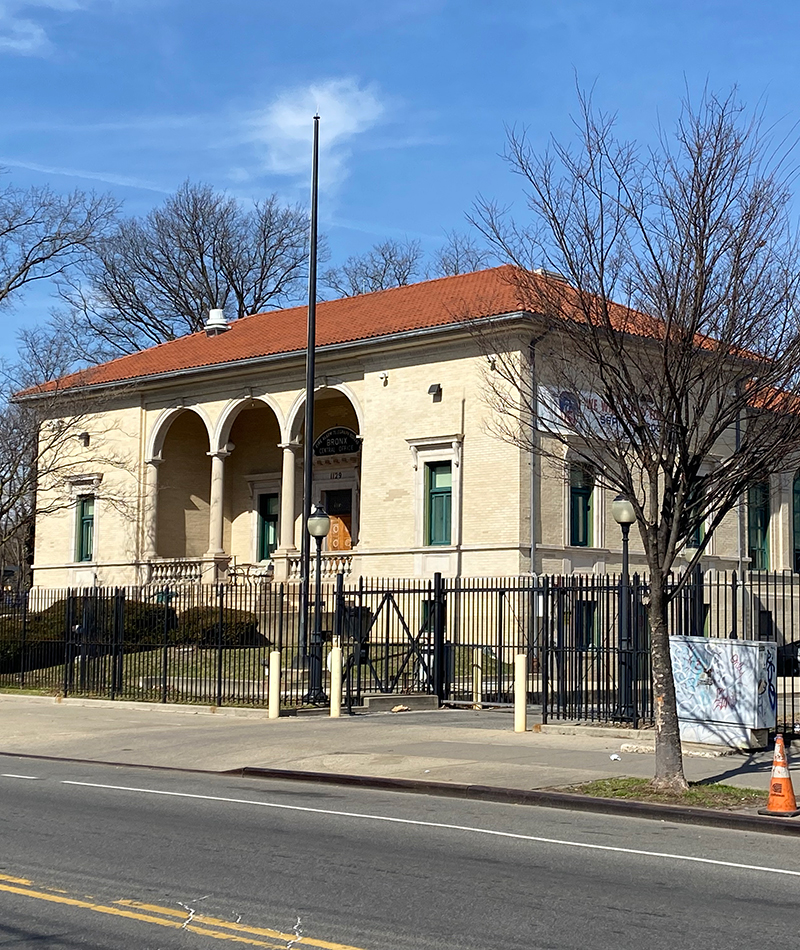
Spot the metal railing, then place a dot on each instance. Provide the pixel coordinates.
(455, 638)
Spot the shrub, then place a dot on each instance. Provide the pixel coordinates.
(144, 623)
(200, 626)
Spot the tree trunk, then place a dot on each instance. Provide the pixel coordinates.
(669, 758)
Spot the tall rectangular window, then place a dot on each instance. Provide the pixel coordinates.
(581, 489)
(84, 547)
(796, 520)
(439, 490)
(758, 515)
(267, 525)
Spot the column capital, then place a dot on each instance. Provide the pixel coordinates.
(156, 460)
(294, 446)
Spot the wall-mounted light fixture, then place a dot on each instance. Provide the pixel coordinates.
(384, 378)
(435, 390)
(492, 359)
(84, 438)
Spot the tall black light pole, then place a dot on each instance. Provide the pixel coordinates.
(308, 443)
(318, 524)
(624, 514)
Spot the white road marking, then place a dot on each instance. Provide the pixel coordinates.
(436, 824)
(9, 775)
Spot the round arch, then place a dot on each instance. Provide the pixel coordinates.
(155, 443)
(296, 416)
(221, 435)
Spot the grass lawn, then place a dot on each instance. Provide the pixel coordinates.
(698, 795)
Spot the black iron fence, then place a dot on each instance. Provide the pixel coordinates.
(455, 638)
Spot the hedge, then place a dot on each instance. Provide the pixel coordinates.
(45, 632)
(200, 626)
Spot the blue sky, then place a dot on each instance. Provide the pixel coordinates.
(135, 96)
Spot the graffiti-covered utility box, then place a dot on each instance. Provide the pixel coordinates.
(726, 690)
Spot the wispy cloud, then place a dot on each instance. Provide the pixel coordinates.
(20, 28)
(284, 129)
(108, 178)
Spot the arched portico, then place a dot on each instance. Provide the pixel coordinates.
(179, 486)
(336, 475)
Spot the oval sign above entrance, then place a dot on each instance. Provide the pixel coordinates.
(337, 441)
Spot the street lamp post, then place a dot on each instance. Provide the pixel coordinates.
(318, 525)
(625, 515)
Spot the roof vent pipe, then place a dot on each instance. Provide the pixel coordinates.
(216, 323)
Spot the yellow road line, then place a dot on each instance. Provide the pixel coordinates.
(205, 926)
(132, 915)
(15, 880)
(259, 931)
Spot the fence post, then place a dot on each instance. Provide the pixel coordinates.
(438, 637)
(220, 621)
(544, 648)
(117, 644)
(24, 644)
(69, 622)
(520, 692)
(165, 595)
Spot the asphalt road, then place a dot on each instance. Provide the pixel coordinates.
(102, 857)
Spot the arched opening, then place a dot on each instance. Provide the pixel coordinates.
(184, 480)
(253, 485)
(336, 479)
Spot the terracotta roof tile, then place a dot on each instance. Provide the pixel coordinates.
(431, 303)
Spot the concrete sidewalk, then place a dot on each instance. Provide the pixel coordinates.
(460, 746)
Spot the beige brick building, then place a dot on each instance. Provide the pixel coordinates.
(190, 465)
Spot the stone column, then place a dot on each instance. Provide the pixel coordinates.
(216, 514)
(287, 495)
(150, 513)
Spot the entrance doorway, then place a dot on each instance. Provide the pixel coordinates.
(339, 505)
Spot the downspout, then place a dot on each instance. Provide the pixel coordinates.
(534, 410)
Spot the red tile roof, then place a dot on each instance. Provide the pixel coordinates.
(427, 305)
(432, 303)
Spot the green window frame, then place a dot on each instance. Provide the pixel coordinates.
(439, 502)
(268, 506)
(758, 517)
(84, 533)
(581, 514)
(697, 534)
(796, 520)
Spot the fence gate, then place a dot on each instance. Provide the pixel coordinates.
(393, 638)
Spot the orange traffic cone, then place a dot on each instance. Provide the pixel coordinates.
(781, 801)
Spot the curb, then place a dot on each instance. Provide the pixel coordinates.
(532, 797)
(481, 793)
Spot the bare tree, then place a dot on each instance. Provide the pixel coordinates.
(388, 264)
(666, 331)
(43, 234)
(155, 278)
(460, 254)
(49, 437)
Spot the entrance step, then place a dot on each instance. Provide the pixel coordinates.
(385, 702)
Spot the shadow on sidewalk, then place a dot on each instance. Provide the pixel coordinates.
(752, 765)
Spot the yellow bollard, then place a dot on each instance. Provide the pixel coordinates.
(274, 684)
(335, 661)
(520, 693)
